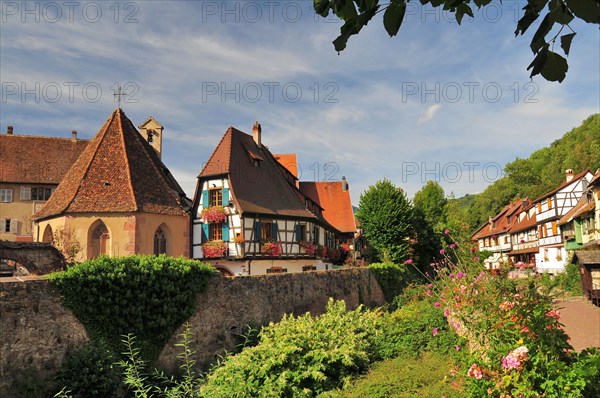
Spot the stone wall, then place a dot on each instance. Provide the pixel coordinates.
(36, 330)
(37, 258)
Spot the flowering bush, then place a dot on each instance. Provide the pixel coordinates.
(309, 247)
(214, 214)
(321, 251)
(215, 248)
(272, 248)
(333, 254)
(517, 347)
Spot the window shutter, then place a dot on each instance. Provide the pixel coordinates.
(257, 231)
(14, 226)
(226, 231)
(554, 228)
(225, 196)
(205, 199)
(298, 228)
(275, 230)
(2, 225)
(539, 207)
(205, 233)
(25, 193)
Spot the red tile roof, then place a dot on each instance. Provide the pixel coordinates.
(37, 160)
(262, 189)
(334, 200)
(526, 223)
(117, 172)
(500, 223)
(582, 207)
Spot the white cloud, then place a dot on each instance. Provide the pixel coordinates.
(429, 113)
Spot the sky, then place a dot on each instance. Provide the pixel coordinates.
(438, 102)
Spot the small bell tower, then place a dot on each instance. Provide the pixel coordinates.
(152, 132)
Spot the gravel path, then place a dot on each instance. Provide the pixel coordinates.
(582, 322)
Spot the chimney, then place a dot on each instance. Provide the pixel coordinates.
(569, 175)
(344, 184)
(74, 136)
(256, 130)
(9, 130)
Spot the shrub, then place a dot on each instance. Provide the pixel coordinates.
(89, 371)
(392, 278)
(298, 357)
(145, 295)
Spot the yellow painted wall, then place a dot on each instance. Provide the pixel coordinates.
(130, 233)
(21, 210)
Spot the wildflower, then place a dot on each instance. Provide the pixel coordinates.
(452, 246)
(475, 258)
(442, 251)
(430, 285)
(447, 231)
(409, 261)
(475, 372)
(460, 274)
(457, 347)
(455, 243)
(428, 292)
(553, 313)
(446, 312)
(515, 359)
(437, 304)
(435, 331)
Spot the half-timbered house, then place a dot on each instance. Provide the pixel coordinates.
(550, 208)
(524, 238)
(250, 218)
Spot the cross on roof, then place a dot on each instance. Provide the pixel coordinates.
(118, 94)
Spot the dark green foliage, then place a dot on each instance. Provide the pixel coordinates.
(88, 372)
(385, 215)
(567, 283)
(356, 14)
(144, 295)
(392, 278)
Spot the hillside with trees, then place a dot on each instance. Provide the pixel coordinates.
(541, 172)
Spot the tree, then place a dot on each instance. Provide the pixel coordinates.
(64, 240)
(559, 13)
(385, 215)
(431, 201)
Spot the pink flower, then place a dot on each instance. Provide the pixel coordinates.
(409, 261)
(437, 304)
(457, 347)
(475, 372)
(476, 258)
(447, 231)
(452, 246)
(428, 292)
(442, 251)
(553, 313)
(434, 331)
(515, 359)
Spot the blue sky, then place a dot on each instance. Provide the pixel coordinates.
(439, 101)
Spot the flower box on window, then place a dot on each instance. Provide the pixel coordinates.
(272, 248)
(215, 249)
(214, 214)
(308, 247)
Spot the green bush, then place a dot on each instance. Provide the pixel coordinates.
(299, 357)
(147, 296)
(89, 371)
(564, 283)
(392, 278)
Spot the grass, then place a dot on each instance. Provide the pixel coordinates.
(423, 377)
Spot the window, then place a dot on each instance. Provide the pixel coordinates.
(25, 193)
(316, 234)
(5, 226)
(160, 242)
(6, 195)
(215, 197)
(41, 193)
(266, 230)
(216, 231)
(300, 232)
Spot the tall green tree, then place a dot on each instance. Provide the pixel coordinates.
(431, 201)
(385, 215)
(555, 16)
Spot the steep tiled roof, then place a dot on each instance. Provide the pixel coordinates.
(334, 200)
(582, 207)
(526, 223)
(503, 221)
(562, 185)
(262, 189)
(37, 160)
(117, 172)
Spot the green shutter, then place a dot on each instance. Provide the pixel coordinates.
(205, 198)
(225, 231)
(257, 231)
(205, 233)
(274, 230)
(225, 196)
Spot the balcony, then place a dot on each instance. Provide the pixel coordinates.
(526, 245)
(551, 240)
(545, 215)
